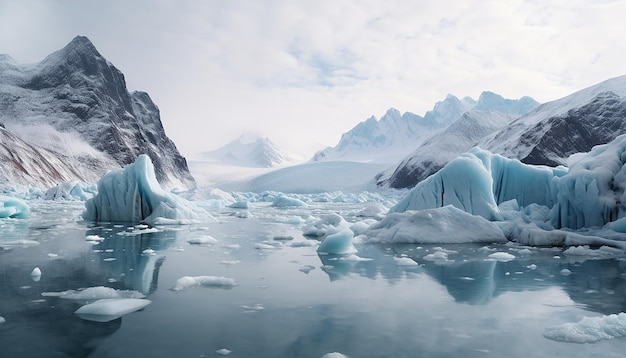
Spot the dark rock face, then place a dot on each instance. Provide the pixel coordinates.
(598, 122)
(77, 90)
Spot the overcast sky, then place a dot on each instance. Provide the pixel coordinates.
(304, 72)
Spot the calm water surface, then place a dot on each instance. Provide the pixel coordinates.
(289, 301)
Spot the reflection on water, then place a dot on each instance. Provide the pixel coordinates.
(461, 305)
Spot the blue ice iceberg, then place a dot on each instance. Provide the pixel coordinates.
(589, 194)
(478, 181)
(133, 194)
(13, 208)
(336, 235)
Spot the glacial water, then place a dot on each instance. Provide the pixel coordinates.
(288, 301)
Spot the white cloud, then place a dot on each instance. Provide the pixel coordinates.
(306, 71)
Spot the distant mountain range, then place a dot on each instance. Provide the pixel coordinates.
(546, 135)
(249, 151)
(395, 135)
(70, 117)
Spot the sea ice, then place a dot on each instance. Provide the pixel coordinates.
(441, 225)
(204, 281)
(223, 351)
(105, 310)
(2, 320)
(589, 329)
(133, 194)
(13, 208)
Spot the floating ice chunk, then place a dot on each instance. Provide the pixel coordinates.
(133, 194)
(371, 210)
(532, 267)
(108, 309)
(354, 258)
(304, 243)
(36, 274)
(586, 251)
(52, 255)
(267, 246)
(566, 272)
(405, 261)
(202, 240)
(339, 243)
(148, 252)
(285, 201)
(94, 238)
(589, 329)
(223, 352)
(13, 208)
(230, 262)
(2, 320)
(437, 256)
(283, 237)
(204, 281)
(134, 232)
(94, 293)
(307, 268)
(502, 256)
(334, 355)
(256, 308)
(442, 225)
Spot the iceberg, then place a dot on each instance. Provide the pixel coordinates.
(440, 225)
(590, 194)
(337, 235)
(13, 208)
(477, 181)
(133, 194)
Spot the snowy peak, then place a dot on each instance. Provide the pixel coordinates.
(76, 92)
(550, 133)
(395, 135)
(489, 101)
(448, 110)
(249, 151)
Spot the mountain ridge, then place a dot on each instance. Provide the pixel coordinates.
(76, 90)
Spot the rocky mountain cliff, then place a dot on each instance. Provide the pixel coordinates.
(75, 105)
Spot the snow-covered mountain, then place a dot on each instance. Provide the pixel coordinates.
(74, 107)
(249, 151)
(547, 134)
(395, 135)
(553, 131)
(438, 150)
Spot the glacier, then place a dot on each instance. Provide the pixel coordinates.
(539, 205)
(133, 194)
